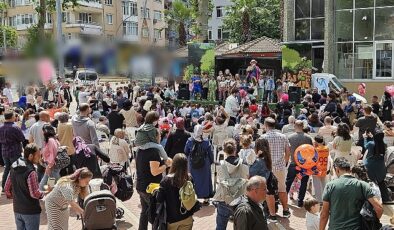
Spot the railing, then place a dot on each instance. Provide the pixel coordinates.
(90, 4)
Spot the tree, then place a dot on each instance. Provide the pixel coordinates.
(250, 19)
(10, 34)
(208, 62)
(178, 16)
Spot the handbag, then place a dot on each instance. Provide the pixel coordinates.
(62, 159)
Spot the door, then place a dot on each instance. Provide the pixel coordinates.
(384, 59)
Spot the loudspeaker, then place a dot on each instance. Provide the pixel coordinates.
(183, 94)
(183, 86)
(295, 94)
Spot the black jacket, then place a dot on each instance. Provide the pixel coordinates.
(248, 215)
(176, 142)
(22, 201)
(91, 162)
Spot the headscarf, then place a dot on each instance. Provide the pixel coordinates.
(197, 133)
(180, 123)
(80, 146)
(147, 105)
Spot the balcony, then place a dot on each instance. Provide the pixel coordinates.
(86, 28)
(93, 4)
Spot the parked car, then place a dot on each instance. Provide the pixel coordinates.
(86, 77)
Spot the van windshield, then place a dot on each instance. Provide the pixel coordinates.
(338, 83)
(86, 76)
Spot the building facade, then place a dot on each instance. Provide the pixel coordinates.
(215, 23)
(349, 38)
(121, 20)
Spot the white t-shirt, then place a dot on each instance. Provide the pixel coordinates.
(119, 153)
(8, 93)
(83, 97)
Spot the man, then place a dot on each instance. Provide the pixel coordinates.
(22, 187)
(316, 96)
(249, 214)
(343, 199)
(35, 133)
(280, 153)
(205, 84)
(149, 169)
(11, 138)
(269, 89)
(83, 126)
(115, 119)
(289, 128)
(297, 139)
(83, 96)
(232, 106)
(8, 93)
(366, 123)
(327, 130)
(65, 94)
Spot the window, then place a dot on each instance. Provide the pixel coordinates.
(157, 33)
(85, 18)
(302, 29)
(129, 8)
(66, 17)
(69, 36)
(130, 28)
(363, 25)
(209, 34)
(145, 13)
(344, 63)
(384, 29)
(309, 20)
(220, 11)
(109, 19)
(220, 34)
(317, 29)
(363, 60)
(145, 32)
(344, 25)
(157, 15)
(225, 35)
(108, 2)
(125, 8)
(48, 18)
(344, 4)
(133, 9)
(302, 9)
(27, 19)
(384, 2)
(364, 3)
(317, 8)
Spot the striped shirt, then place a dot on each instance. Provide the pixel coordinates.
(278, 143)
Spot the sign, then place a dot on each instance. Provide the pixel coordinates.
(321, 83)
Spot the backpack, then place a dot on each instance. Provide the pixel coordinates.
(197, 155)
(369, 220)
(125, 187)
(231, 188)
(188, 197)
(62, 159)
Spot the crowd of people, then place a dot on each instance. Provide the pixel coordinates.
(239, 154)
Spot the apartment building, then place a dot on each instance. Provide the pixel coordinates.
(132, 21)
(215, 23)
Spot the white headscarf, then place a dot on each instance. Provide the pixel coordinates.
(197, 133)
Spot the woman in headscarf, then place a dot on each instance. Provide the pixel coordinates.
(86, 156)
(177, 139)
(195, 147)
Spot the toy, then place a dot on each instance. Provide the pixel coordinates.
(306, 157)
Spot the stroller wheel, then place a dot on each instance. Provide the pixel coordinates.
(119, 213)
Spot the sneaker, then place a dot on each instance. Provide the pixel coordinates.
(272, 219)
(286, 213)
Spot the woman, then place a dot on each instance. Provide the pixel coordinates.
(202, 176)
(177, 217)
(66, 191)
(342, 144)
(65, 134)
(119, 150)
(314, 123)
(219, 132)
(177, 140)
(374, 161)
(263, 167)
(28, 119)
(49, 153)
(387, 107)
(87, 156)
(235, 169)
(30, 97)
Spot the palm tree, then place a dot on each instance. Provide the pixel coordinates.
(246, 8)
(178, 15)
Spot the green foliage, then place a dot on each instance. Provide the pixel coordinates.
(189, 71)
(10, 34)
(292, 61)
(208, 61)
(36, 47)
(261, 16)
(177, 16)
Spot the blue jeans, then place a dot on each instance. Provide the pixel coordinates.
(7, 166)
(27, 222)
(55, 173)
(223, 215)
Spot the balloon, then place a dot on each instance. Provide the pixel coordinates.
(390, 89)
(306, 157)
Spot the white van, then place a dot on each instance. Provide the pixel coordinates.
(86, 77)
(327, 81)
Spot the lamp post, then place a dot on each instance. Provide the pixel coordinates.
(59, 20)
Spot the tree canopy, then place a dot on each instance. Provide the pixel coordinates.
(250, 19)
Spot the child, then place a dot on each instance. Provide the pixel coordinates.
(147, 135)
(323, 162)
(312, 215)
(246, 153)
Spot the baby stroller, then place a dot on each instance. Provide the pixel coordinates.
(121, 184)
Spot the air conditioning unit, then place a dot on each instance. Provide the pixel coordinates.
(154, 21)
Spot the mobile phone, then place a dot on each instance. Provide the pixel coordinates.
(51, 182)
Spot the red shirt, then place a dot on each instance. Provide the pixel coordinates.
(253, 108)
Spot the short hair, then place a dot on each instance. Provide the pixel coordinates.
(299, 124)
(118, 132)
(114, 105)
(342, 163)
(309, 203)
(102, 118)
(63, 117)
(292, 119)
(151, 117)
(30, 149)
(235, 90)
(367, 109)
(230, 146)
(83, 107)
(8, 115)
(319, 139)
(327, 120)
(270, 122)
(255, 182)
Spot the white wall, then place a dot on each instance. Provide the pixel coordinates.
(215, 22)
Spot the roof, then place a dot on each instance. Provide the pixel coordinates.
(259, 45)
(219, 49)
(182, 52)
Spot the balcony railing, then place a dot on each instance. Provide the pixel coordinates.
(91, 28)
(91, 4)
